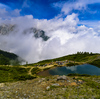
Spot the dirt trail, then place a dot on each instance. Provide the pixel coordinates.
(30, 73)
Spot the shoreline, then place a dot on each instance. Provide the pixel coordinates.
(44, 70)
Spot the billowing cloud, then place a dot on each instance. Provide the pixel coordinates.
(68, 7)
(66, 37)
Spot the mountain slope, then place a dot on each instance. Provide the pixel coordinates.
(79, 57)
(7, 58)
(37, 33)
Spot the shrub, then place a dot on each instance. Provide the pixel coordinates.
(35, 70)
(13, 74)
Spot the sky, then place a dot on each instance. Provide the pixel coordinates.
(72, 25)
(48, 9)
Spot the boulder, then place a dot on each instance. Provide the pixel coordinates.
(48, 87)
(56, 85)
(61, 78)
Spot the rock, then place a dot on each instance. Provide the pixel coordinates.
(48, 87)
(64, 89)
(1, 84)
(43, 79)
(73, 84)
(68, 81)
(56, 85)
(61, 78)
(79, 82)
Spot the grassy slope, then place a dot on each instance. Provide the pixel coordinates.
(13, 74)
(22, 73)
(89, 89)
(9, 55)
(82, 57)
(96, 62)
(7, 58)
(80, 87)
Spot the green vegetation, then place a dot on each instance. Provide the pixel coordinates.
(18, 73)
(78, 57)
(85, 75)
(4, 60)
(46, 68)
(76, 86)
(96, 63)
(7, 58)
(9, 55)
(81, 56)
(88, 89)
(35, 70)
(72, 64)
(13, 74)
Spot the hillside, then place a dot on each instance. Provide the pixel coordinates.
(18, 82)
(54, 87)
(7, 58)
(78, 58)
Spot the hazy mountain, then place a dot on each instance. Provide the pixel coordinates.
(37, 33)
(6, 29)
(7, 58)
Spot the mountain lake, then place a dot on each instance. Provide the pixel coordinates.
(78, 69)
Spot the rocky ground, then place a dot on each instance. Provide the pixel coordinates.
(52, 87)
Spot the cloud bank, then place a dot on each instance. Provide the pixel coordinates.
(66, 37)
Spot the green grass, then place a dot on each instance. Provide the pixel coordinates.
(13, 74)
(35, 70)
(96, 63)
(72, 64)
(85, 75)
(78, 57)
(88, 90)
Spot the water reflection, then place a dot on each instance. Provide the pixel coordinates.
(72, 68)
(80, 69)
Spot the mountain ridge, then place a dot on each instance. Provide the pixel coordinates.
(7, 58)
(7, 29)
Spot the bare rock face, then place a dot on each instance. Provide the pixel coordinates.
(6, 29)
(37, 33)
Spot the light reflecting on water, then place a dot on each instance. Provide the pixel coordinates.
(80, 69)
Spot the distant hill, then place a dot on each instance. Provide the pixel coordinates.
(79, 57)
(7, 58)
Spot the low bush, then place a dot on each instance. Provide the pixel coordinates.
(96, 63)
(86, 75)
(13, 74)
(35, 70)
(72, 64)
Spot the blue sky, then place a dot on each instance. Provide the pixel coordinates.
(48, 9)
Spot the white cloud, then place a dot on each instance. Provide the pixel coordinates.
(67, 6)
(66, 37)
(4, 14)
(4, 6)
(72, 68)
